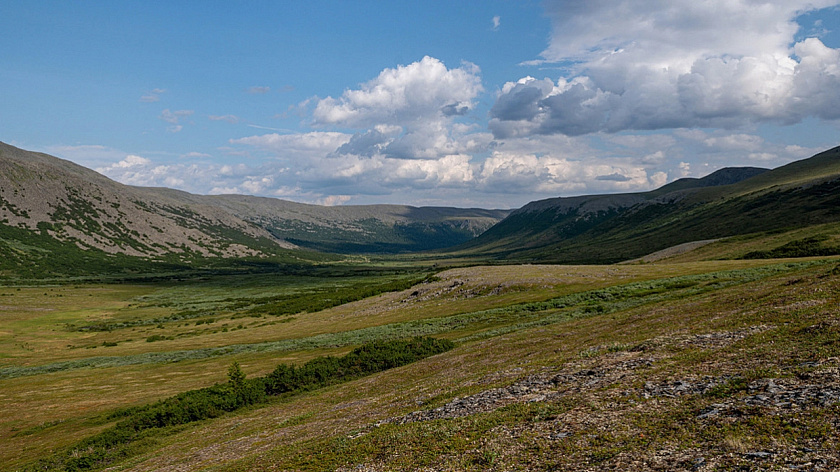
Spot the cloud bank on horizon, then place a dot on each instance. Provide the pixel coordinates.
(625, 96)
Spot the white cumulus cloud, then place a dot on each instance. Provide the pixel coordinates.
(131, 161)
(417, 103)
(658, 64)
(553, 175)
(421, 89)
(300, 146)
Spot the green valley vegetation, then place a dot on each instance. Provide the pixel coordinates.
(150, 329)
(136, 427)
(627, 329)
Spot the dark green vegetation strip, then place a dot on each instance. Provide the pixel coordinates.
(488, 323)
(806, 247)
(278, 305)
(292, 304)
(137, 427)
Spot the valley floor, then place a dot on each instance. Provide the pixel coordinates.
(727, 365)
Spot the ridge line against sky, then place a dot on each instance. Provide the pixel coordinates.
(474, 104)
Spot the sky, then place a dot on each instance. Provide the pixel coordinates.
(488, 104)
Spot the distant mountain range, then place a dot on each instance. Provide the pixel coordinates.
(612, 228)
(59, 218)
(56, 213)
(355, 228)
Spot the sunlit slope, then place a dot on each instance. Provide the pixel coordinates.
(60, 218)
(612, 228)
(556, 368)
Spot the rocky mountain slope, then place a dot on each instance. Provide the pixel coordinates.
(49, 207)
(612, 228)
(48, 203)
(70, 203)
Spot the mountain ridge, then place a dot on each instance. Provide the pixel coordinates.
(613, 228)
(49, 204)
(43, 197)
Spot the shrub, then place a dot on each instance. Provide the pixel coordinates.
(367, 359)
(806, 247)
(135, 423)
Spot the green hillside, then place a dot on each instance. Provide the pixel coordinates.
(60, 219)
(114, 356)
(613, 228)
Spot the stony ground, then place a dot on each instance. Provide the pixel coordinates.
(612, 387)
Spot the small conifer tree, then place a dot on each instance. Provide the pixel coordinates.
(236, 378)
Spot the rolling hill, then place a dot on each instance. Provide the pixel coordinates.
(706, 364)
(357, 228)
(60, 217)
(69, 219)
(612, 228)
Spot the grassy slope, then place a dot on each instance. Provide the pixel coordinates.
(335, 426)
(800, 194)
(601, 421)
(737, 247)
(52, 208)
(361, 228)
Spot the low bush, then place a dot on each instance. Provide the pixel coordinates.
(369, 358)
(807, 247)
(321, 300)
(138, 423)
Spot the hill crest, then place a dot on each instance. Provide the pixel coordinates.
(42, 196)
(618, 227)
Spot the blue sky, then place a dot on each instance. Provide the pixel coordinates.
(479, 103)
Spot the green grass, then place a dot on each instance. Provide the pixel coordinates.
(464, 326)
(604, 426)
(510, 322)
(136, 426)
(737, 247)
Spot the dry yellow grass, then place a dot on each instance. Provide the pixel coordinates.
(39, 413)
(338, 426)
